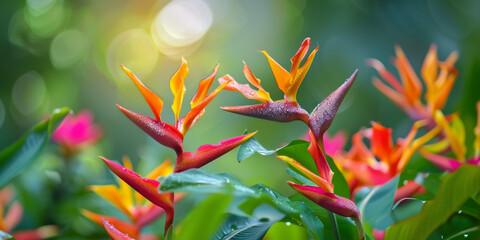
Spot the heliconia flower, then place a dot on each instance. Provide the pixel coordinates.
(10, 217)
(375, 165)
(133, 203)
(287, 110)
(172, 135)
(76, 133)
(454, 141)
(322, 194)
(437, 76)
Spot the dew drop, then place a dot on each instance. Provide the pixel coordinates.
(441, 237)
(465, 235)
(405, 182)
(459, 212)
(288, 223)
(423, 201)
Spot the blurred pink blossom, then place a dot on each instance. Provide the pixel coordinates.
(76, 133)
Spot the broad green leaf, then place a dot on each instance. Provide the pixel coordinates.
(286, 230)
(251, 147)
(5, 236)
(205, 219)
(195, 180)
(378, 203)
(250, 228)
(18, 156)
(297, 212)
(455, 189)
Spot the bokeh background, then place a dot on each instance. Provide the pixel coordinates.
(57, 53)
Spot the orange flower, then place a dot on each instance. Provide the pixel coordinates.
(437, 76)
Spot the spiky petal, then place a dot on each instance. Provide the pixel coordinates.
(125, 227)
(146, 187)
(208, 153)
(163, 133)
(114, 233)
(322, 116)
(283, 111)
(336, 204)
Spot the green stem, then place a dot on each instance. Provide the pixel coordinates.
(333, 221)
(361, 232)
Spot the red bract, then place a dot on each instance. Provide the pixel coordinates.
(287, 110)
(146, 187)
(172, 135)
(322, 194)
(139, 211)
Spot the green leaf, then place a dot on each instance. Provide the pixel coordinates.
(455, 189)
(18, 156)
(251, 147)
(196, 180)
(298, 212)
(204, 220)
(286, 230)
(6, 236)
(378, 203)
(250, 228)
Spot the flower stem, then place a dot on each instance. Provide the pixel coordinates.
(361, 232)
(333, 221)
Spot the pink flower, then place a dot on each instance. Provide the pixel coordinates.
(76, 133)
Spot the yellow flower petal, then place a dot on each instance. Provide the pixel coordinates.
(163, 169)
(281, 75)
(177, 86)
(124, 188)
(203, 88)
(298, 57)
(113, 195)
(410, 150)
(430, 68)
(298, 78)
(476, 144)
(322, 183)
(155, 102)
(458, 148)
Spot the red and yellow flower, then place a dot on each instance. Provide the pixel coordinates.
(288, 109)
(172, 135)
